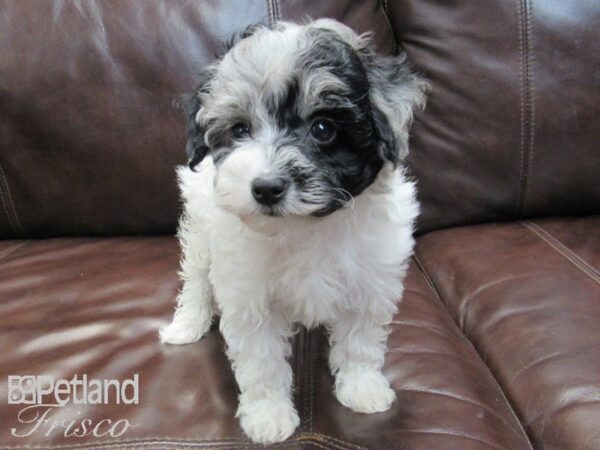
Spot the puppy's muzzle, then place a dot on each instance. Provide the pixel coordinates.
(269, 191)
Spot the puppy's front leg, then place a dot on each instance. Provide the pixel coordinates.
(358, 344)
(195, 306)
(258, 346)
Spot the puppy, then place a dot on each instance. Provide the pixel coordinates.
(297, 211)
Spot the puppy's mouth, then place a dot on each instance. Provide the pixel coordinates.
(340, 201)
(272, 211)
(329, 209)
(321, 209)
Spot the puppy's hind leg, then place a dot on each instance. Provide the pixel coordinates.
(195, 304)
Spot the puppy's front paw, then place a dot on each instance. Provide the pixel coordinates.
(266, 420)
(184, 330)
(364, 390)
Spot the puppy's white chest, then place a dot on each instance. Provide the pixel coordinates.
(319, 281)
(311, 286)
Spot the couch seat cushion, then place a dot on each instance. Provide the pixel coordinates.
(94, 306)
(528, 296)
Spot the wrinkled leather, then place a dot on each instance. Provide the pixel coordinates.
(495, 344)
(91, 126)
(510, 126)
(94, 306)
(528, 296)
(446, 396)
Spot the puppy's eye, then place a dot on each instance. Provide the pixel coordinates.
(323, 131)
(240, 130)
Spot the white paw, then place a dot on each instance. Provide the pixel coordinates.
(184, 329)
(266, 420)
(364, 390)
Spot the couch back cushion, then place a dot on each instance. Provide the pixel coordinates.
(512, 125)
(90, 126)
(91, 129)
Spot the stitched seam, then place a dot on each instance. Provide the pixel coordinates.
(277, 11)
(314, 444)
(489, 409)
(5, 205)
(511, 409)
(270, 11)
(330, 440)
(317, 442)
(226, 443)
(305, 380)
(384, 5)
(296, 382)
(11, 250)
(521, 110)
(9, 206)
(154, 444)
(576, 259)
(166, 444)
(531, 85)
(301, 379)
(566, 252)
(4, 196)
(273, 7)
(312, 379)
(305, 388)
(19, 226)
(526, 113)
(316, 439)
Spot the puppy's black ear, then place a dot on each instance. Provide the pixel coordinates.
(196, 148)
(395, 92)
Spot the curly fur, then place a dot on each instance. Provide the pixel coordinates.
(335, 250)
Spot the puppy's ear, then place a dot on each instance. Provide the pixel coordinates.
(196, 148)
(395, 92)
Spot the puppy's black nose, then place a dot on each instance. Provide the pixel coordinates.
(268, 191)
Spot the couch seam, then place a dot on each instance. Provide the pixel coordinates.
(302, 364)
(277, 11)
(435, 290)
(309, 361)
(11, 250)
(9, 206)
(306, 388)
(521, 108)
(563, 250)
(5, 204)
(384, 5)
(316, 439)
(274, 14)
(531, 85)
(296, 371)
(269, 12)
(527, 108)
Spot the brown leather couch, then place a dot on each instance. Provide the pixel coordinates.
(497, 342)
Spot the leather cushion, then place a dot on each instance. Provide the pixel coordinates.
(510, 126)
(528, 296)
(94, 306)
(90, 123)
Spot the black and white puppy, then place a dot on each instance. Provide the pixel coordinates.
(297, 210)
